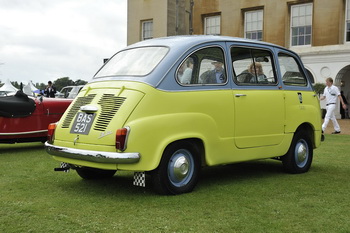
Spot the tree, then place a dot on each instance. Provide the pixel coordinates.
(41, 86)
(80, 82)
(63, 82)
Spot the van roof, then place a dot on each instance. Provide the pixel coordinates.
(192, 40)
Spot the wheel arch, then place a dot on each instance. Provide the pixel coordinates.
(196, 143)
(309, 129)
(150, 136)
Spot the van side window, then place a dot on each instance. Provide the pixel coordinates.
(204, 67)
(291, 72)
(252, 66)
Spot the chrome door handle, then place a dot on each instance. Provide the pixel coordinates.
(239, 95)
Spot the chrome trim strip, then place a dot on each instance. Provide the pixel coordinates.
(93, 156)
(20, 133)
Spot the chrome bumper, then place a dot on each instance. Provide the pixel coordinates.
(93, 156)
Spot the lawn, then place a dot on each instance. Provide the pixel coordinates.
(248, 197)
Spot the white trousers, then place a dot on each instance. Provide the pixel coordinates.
(330, 116)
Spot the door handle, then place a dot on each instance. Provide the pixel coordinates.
(239, 95)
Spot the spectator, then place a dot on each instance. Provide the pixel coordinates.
(342, 110)
(331, 94)
(50, 90)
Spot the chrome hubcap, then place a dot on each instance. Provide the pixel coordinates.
(180, 168)
(301, 153)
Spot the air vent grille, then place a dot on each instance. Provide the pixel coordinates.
(110, 105)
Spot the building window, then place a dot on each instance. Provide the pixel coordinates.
(147, 30)
(253, 24)
(347, 23)
(301, 24)
(212, 25)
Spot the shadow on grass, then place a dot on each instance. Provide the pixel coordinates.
(118, 185)
(122, 183)
(240, 172)
(254, 169)
(20, 147)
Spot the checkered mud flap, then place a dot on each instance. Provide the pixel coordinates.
(65, 166)
(140, 179)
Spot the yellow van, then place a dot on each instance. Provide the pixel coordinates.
(164, 108)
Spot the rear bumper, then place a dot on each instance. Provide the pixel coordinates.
(93, 156)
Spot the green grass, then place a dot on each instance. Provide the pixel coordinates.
(248, 197)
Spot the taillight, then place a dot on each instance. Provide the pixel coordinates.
(51, 132)
(121, 138)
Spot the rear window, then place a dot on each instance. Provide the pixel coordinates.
(133, 62)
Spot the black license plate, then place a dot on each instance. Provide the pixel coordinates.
(82, 123)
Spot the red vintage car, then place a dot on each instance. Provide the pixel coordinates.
(26, 119)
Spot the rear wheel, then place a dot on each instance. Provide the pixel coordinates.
(179, 169)
(89, 173)
(299, 156)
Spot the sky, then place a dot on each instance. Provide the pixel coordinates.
(42, 40)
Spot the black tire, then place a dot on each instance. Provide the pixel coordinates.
(178, 171)
(299, 156)
(89, 173)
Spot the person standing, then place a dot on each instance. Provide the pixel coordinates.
(331, 93)
(342, 110)
(50, 90)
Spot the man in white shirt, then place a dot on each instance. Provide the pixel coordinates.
(331, 93)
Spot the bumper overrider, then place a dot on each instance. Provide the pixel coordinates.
(93, 156)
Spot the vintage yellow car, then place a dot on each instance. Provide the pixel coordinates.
(164, 108)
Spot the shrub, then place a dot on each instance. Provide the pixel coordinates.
(319, 87)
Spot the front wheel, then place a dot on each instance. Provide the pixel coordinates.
(89, 173)
(178, 171)
(299, 156)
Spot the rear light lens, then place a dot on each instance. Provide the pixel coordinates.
(51, 132)
(121, 138)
